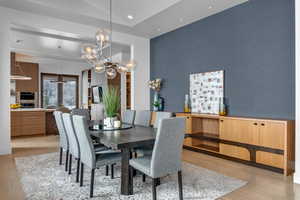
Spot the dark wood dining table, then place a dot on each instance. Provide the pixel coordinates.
(125, 140)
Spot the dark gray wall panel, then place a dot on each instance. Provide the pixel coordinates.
(252, 42)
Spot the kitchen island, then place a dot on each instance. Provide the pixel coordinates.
(32, 121)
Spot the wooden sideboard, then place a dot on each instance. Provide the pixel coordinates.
(264, 143)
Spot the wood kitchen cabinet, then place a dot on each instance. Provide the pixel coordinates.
(31, 70)
(28, 123)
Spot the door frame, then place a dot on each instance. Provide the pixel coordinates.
(60, 88)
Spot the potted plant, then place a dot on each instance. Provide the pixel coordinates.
(111, 101)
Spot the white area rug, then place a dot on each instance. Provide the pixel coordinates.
(43, 179)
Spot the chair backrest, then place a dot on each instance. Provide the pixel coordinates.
(81, 112)
(63, 109)
(166, 156)
(63, 138)
(97, 111)
(159, 116)
(128, 116)
(142, 118)
(73, 140)
(87, 152)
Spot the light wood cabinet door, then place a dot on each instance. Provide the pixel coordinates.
(16, 126)
(272, 134)
(243, 131)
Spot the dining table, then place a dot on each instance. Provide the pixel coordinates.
(124, 138)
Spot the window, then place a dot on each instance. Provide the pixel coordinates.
(59, 90)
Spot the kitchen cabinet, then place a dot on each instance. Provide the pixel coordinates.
(25, 123)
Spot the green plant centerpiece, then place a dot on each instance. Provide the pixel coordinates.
(112, 104)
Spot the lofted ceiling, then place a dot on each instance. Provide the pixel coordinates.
(149, 18)
(59, 46)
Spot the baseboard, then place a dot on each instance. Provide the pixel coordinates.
(297, 178)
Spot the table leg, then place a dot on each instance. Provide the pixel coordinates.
(126, 178)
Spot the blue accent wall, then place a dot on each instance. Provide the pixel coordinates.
(253, 42)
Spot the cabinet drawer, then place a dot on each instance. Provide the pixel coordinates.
(234, 151)
(271, 159)
(33, 123)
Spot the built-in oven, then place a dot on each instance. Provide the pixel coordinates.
(27, 96)
(28, 99)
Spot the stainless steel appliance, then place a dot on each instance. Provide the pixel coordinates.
(27, 99)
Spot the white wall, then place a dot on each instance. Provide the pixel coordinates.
(5, 147)
(140, 52)
(297, 17)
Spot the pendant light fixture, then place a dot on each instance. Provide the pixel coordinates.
(94, 55)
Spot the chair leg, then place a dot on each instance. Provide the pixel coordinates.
(154, 188)
(67, 160)
(180, 185)
(81, 174)
(106, 170)
(157, 181)
(60, 155)
(70, 164)
(92, 183)
(77, 172)
(112, 171)
(144, 178)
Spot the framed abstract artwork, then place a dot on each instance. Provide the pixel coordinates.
(207, 91)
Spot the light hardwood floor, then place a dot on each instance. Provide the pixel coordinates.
(262, 184)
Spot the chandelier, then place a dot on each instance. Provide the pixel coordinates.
(94, 53)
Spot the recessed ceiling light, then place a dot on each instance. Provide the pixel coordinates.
(130, 17)
(158, 29)
(180, 19)
(210, 7)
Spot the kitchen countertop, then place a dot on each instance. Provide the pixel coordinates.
(32, 110)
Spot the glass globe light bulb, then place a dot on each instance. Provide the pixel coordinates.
(99, 67)
(111, 73)
(122, 69)
(87, 49)
(102, 36)
(131, 64)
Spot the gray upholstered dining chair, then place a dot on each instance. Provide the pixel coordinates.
(159, 116)
(147, 150)
(128, 116)
(88, 157)
(73, 142)
(142, 118)
(63, 138)
(166, 156)
(97, 111)
(82, 112)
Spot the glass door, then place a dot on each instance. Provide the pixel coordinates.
(49, 92)
(59, 90)
(70, 96)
